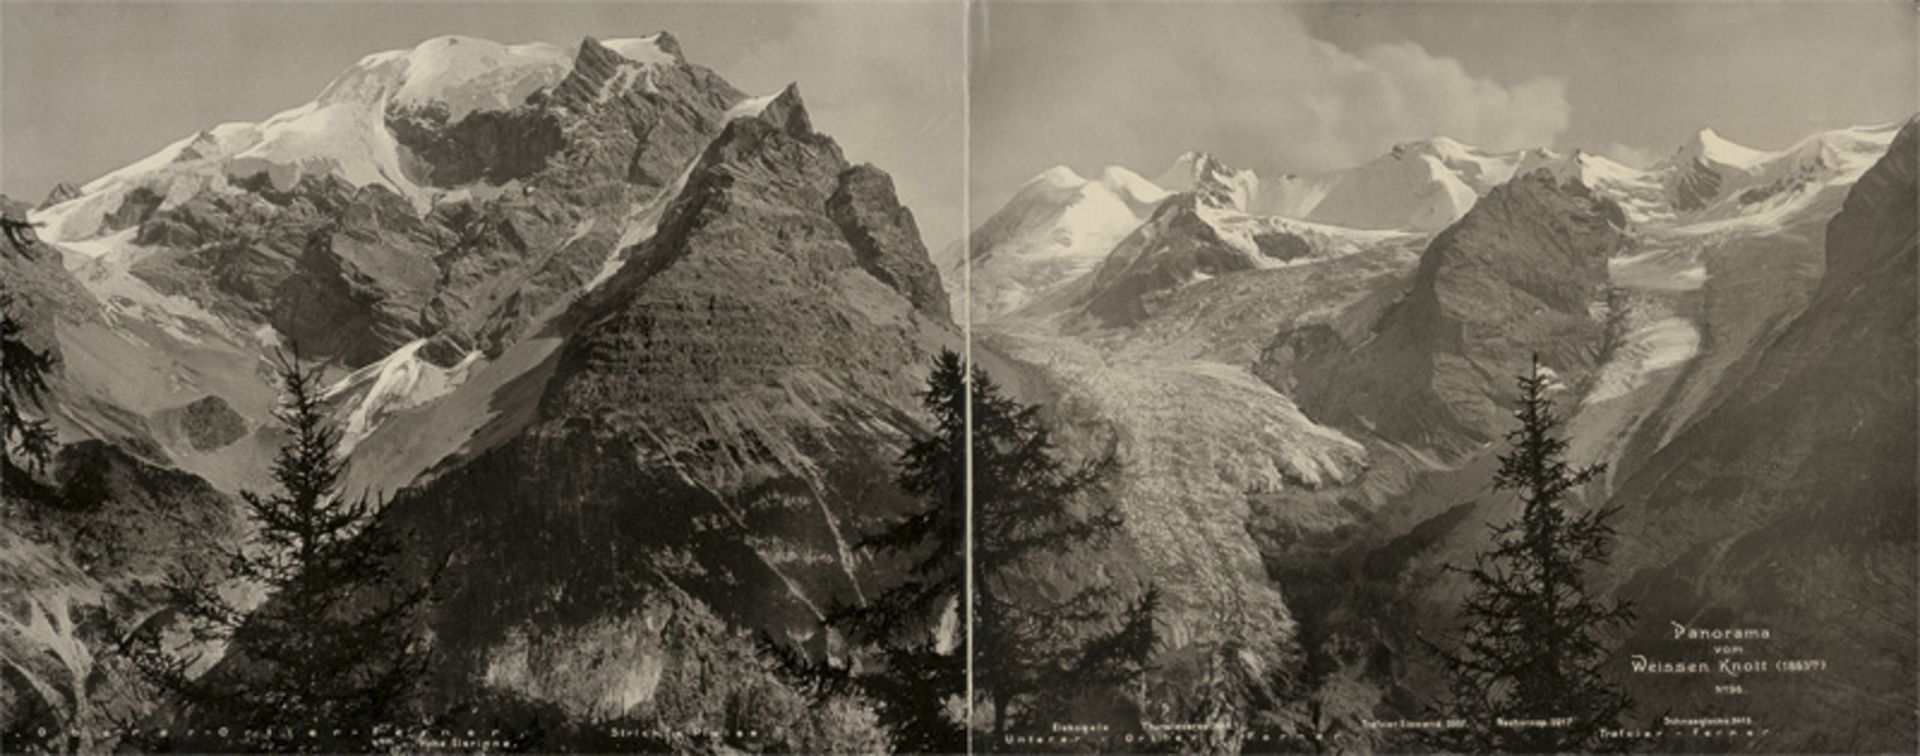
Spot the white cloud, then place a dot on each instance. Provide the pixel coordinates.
(1137, 84)
(1329, 107)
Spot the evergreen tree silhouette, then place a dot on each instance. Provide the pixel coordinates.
(331, 648)
(1026, 502)
(26, 442)
(1530, 648)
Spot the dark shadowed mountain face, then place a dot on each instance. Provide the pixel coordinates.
(1792, 505)
(1517, 275)
(718, 432)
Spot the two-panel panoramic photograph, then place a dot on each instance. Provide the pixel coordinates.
(959, 376)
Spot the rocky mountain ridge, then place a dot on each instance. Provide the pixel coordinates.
(1420, 188)
(794, 287)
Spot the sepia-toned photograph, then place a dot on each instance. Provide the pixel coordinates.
(959, 376)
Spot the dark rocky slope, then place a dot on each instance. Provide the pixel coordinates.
(84, 556)
(719, 428)
(1792, 505)
(1183, 242)
(1520, 273)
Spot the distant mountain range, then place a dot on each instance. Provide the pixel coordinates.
(1059, 224)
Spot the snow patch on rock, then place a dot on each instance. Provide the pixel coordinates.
(401, 381)
(751, 107)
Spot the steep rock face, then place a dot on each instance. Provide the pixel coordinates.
(642, 120)
(359, 288)
(530, 201)
(1176, 247)
(42, 290)
(233, 250)
(490, 146)
(88, 566)
(885, 238)
(1217, 184)
(1791, 505)
(1695, 185)
(1708, 167)
(209, 423)
(1517, 275)
(719, 426)
(60, 192)
(1200, 234)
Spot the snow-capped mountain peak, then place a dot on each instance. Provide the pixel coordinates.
(1058, 226)
(1212, 180)
(462, 74)
(1707, 144)
(1716, 179)
(659, 48)
(1412, 187)
(1130, 186)
(1479, 169)
(343, 132)
(1058, 177)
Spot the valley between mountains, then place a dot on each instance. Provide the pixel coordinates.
(1307, 379)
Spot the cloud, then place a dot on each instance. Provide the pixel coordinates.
(1136, 84)
(1399, 91)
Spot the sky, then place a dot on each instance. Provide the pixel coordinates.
(1277, 87)
(1298, 88)
(86, 88)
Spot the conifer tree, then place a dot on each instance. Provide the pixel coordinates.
(331, 647)
(924, 677)
(1026, 502)
(1531, 643)
(1121, 657)
(23, 384)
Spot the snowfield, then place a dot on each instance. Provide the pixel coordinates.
(1057, 228)
(343, 131)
